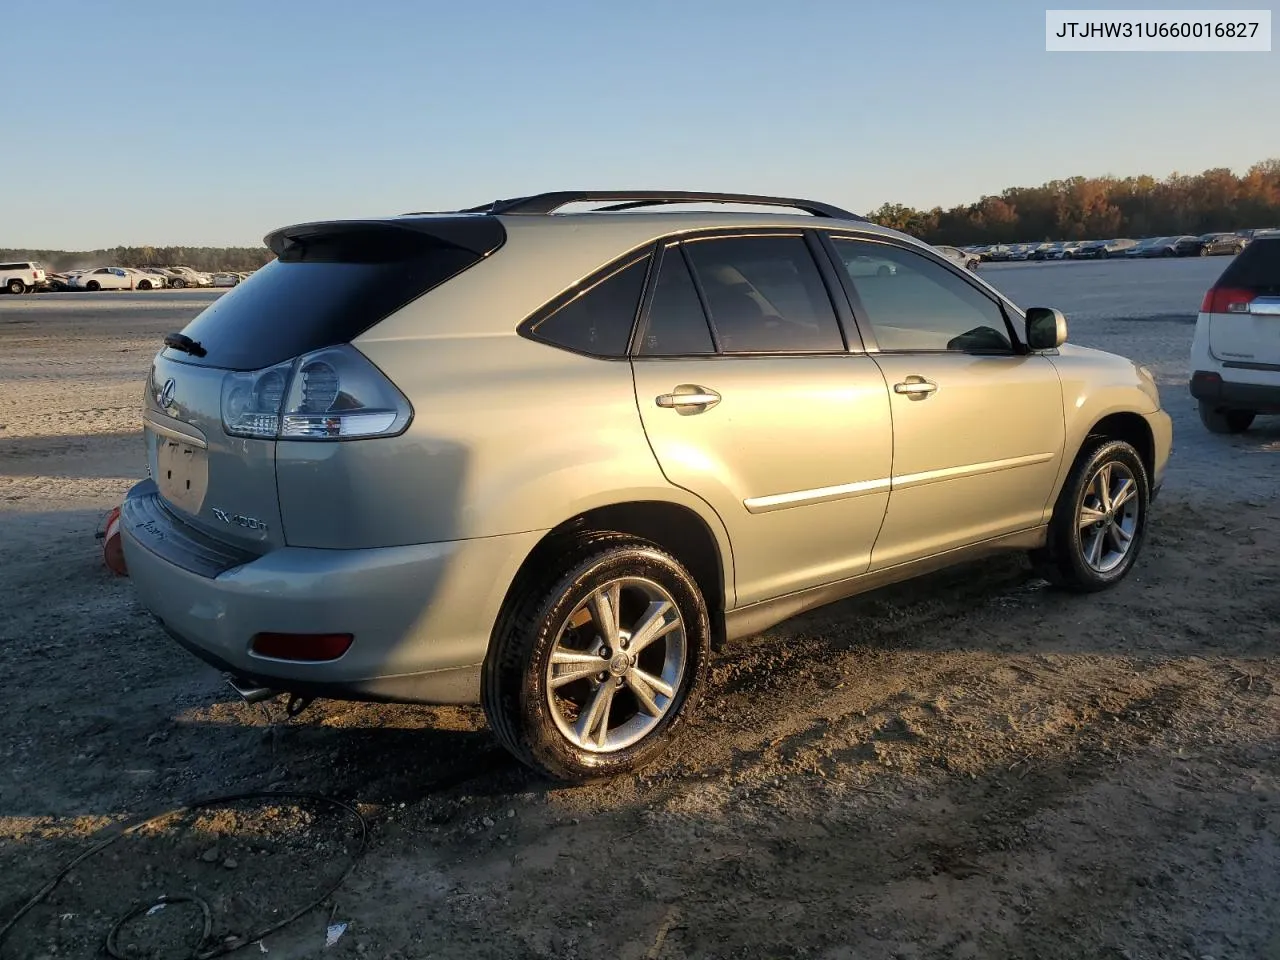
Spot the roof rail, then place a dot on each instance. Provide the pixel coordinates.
(544, 203)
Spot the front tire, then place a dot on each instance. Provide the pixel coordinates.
(93, 286)
(177, 283)
(16, 287)
(595, 667)
(1225, 421)
(1099, 521)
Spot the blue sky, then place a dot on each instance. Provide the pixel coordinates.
(204, 123)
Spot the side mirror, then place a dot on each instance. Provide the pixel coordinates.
(1046, 328)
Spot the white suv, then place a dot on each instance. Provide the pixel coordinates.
(22, 276)
(1235, 356)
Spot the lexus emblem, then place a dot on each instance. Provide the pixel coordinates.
(166, 392)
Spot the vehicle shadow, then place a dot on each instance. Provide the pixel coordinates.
(908, 744)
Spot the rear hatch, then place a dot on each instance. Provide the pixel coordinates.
(218, 396)
(1244, 306)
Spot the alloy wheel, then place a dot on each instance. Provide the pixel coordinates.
(1108, 517)
(616, 665)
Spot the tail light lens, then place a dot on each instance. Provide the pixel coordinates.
(332, 394)
(1227, 300)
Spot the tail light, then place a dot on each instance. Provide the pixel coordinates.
(1227, 300)
(332, 394)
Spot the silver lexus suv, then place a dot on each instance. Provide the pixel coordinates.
(548, 461)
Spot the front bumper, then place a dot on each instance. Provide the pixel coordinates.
(1161, 425)
(421, 615)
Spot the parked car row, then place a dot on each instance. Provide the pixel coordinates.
(1205, 245)
(28, 276)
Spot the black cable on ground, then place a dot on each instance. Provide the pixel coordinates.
(202, 950)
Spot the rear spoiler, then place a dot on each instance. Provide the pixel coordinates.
(480, 235)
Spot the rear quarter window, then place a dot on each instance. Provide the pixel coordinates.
(1256, 268)
(596, 321)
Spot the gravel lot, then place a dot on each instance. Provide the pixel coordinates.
(965, 766)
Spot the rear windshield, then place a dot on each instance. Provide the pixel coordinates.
(322, 291)
(1257, 268)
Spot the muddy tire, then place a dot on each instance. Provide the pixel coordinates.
(1225, 421)
(595, 667)
(1099, 521)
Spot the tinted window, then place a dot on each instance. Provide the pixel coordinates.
(598, 321)
(319, 292)
(913, 303)
(676, 325)
(11, 266)
(1257, 268)
(765, 295)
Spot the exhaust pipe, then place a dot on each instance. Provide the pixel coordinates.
(250, 694)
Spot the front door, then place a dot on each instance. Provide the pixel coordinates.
(978, 424)
(751, 401)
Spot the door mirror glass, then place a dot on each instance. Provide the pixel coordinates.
(1046, 328)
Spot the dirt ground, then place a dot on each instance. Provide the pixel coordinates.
(968, 766)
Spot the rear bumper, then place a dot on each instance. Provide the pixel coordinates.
(1213, 387)
(421, 615)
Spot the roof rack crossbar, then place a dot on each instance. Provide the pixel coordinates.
(544, 203)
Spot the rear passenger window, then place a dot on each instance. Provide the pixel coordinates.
(598, 321)
(676, 326)
(765, 295)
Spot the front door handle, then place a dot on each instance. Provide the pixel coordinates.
(688, 397)
(917, 388)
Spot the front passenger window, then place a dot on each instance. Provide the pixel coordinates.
(914, 304)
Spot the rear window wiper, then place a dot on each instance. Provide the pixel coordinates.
(180, 341)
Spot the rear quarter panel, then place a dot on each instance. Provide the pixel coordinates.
(508, 436)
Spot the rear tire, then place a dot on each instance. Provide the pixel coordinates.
(16, 286)
(1099, 521)
(1225, 421)
(177, 283)
(144, 285)
(558, 614)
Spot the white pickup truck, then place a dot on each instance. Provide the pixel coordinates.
(21, 277)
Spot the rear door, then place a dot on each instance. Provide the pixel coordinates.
(1244, 308)
(978, 426)
(752, 401)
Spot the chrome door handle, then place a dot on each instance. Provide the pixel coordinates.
(917, 388)
(688, 395)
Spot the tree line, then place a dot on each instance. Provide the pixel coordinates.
(204, 259)
(1098, 208)
(1078, 208)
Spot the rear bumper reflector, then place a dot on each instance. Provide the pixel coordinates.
(306, 647)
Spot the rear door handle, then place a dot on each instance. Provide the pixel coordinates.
(917, 388)
(688, 395)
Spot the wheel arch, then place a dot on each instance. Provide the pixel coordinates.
(1133, 429)
(698, 542)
